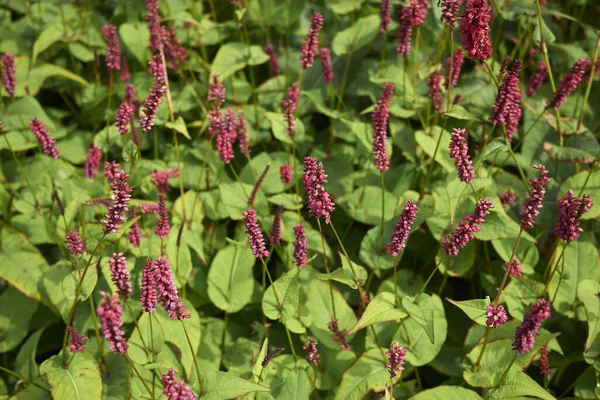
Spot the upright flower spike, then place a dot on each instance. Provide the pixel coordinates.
(460, 152)
(435, 91)
(514, 268)
(300, 246)
(226, 137)
(475, 29)
(174, 52)
(396, 356)
(255, 236)
(285, 172)
(135, 234)
(463, 233)
(507, 197)
(257, 185)
(449, 11)
(537, 79)
(311, 43)
(241, 130)
(74, 243)
(544, 364)
(339, 336)
(312, 354)
(525, 333)
(92, 162)
(532, 205)
(327, 70)
(9, 74)
(270, 355)
(153, 19)
(289, 105)
(129, 96)
(507, 109)
(109, 314)
(43, 137)
(569, 83)
(385, 13)
(167, 292)
(319, 201)
(273, 61)
(496, 316)
(77, 341)
(121, 196)
(163, 228)
(402, 229)
(174, 389)
(123, 118)
(119, 274)
(379, 121)
(458, 57)
(157, 92)
(410, 16)
(160, 179)
(124, 75)
(149, 297)
(570, 210)
(275, 236)
(113, 51)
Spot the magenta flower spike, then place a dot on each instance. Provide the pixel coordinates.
(507, 109)
(160, 179)
(525, 333)
(285, 172)
(9, 74)
(319, 201)
(496, 316)
(270, 355)
(273, 61)
(570, 210)
(74, 243)
(121, 196)
(532, 205)
(255, 236)
(77, 341)
(569, 83)
(123, 117)
(339, 336)
(458, 58)
(43, 137)
(312, 354)
(435, 91)
(410, 16)
(537, 79)
(396, 356)
(149, 297)
(385, 14)
(119, 274)
(113, 51)
(514, 268)
(379, 122)
(109, 314)
(135, 234)
(311, 44)
(124, 75)
(475, 29)
(162, 226)
(153, 19)
(300, 246)
(544, 364)
(174, 389)
(167, 292)
(257, 185)
(460, 152)
(402, 229)
(174, 53)
(463, 233)
(241, 129)
(275, 236)
(507, 197)
(289, 105)
(327, 70)
(449, 11)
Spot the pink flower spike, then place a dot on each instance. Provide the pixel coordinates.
(300, 246)
(119, 274)
(385, 14)
(174, 53)
(569, 83)
(289, 105)
(124, 115)
(150, 106)
(257, 185)
(285, 171)
(319, 201)
(275, 236)
(544, 364)
(241, 130)
(458, 57)
(167, 292)
(537, 79)
(327, 73)
(74, 243)
(273, 61)
(124, 76)
(339, 336)
(77, 341)
(463, 233)
(402, 229)
(113, 51)
(514, 268)
(460, 152)
(109, 314)
(507, 197)
(153, 19)
(162, 226)
(160, 179)
(525, 334)
(435, 91)
(532, 205)
(311, 44)
(496, 316)
(175, 390)
(312, 354)
(507, 109)
(449, 11)
(43, 137)
(379, 122)
(121, 196)
(255, 237)
(475, 29)
(570, 210)
(135, 234)
(9, 74)
(396, 359)
(149, 297)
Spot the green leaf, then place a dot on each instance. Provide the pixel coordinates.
(16, 311)
(71, 282)
(25, 361)
(367, 373)
(233, 57)
(497, 145)
(47, 38)
(380, 309)
(422, 313)
(144, 334)
(475, 309)
(428, 144)
(30, 80)
(343, 6)
(344, 274)
(364, 205)
(257, 367)
(136, 38)
(286, 287)
(17, 250)
(235, 198)
(357, 36)
(316, 97)
(179, 126)
(230, 280)
(297, 384)
(222, 385)
(117, 383)
(447, 393)
(459, 112)
(80, 380)
(318, 301)
(290, 201)
(519, 384)
(587, 293)
(568, 154)
(592, 188)
(279, 127)
(549, 37)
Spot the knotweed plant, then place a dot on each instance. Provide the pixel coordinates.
(305, 199)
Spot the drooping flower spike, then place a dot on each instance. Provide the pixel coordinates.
(163, 228)
(525, 334)
(121, 196)
(396, 356)
(463, 233)
(43, 137)
(402, 229)
(113, 51)
(119, 274)
(507, 109)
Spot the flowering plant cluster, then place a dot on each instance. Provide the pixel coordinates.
(299, 200)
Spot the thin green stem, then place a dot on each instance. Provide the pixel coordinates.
(432, 165)
(196, 366)
(562, 253)
(503, 377)
(21, 377)
(429, 279)
(382, 212)
(272, 284)
(289, 336)
(139, 376)
(589, 85)
(327, 268)
(485, 342)
(506, 273)
(97, 330)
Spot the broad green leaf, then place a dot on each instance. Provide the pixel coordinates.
(136, 38)
(25, 361)
(317, 98)
(519, 384)
(32, 392)
(279, 127)
(459, 112)
(222, 385)
(179, 257)
(527, 252)
(235, 198)
(71, 282)
(423, 313)
(429, 142)
(497, 145)
(18, 251)
(144, 334)
(318, 301)
(233, 57)
(380, 309)
(290, 201)
(592, 188)
(587, 293)
(179, 126)
(568, 154)
(16, 310)
(344, 274)
(364, 205)
(475, 309)
(367, 373)
(343, 6)
(280, 301)
(297, 384)
(257, 367)
(30, 80)
(230, 279)
(334, 364)
(546, 32)
(447, 393)
(47, 38)
(117, 382)
(360, 34)
(80, 380)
